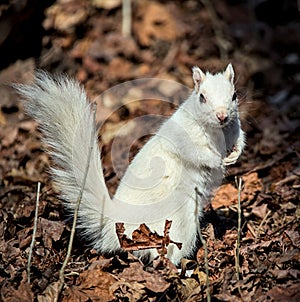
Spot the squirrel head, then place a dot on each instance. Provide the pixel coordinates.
(215, 94)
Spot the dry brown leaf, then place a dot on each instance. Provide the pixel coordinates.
(260, 211)
(25, 208)
(119, 69)
(66, 15)
(93, 284)
(251, 186)
(143, 238)
(20, 71)
(49, 230)
(100, 263)
(128, 291)
(91, 65)
(50, 293)
(74, 294)
(24, 237)
(284, 293)
(22, 294)
(154, 21)
(188, 286)
(227, 194)
(294, 236)
(153, 281)
(81, 48)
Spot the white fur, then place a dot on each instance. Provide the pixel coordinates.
(189, 151)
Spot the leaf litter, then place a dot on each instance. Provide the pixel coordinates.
(168, 38)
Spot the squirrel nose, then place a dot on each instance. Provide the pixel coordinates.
(222, 116)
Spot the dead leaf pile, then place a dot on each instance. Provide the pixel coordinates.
(84, 39)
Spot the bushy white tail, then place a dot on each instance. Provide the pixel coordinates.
(64, 114)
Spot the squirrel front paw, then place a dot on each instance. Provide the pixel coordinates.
(232, 157)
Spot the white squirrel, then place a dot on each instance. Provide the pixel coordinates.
(189, 151)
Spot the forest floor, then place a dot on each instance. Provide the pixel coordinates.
(259, 261)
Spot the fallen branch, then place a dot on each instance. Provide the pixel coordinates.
(34, 230)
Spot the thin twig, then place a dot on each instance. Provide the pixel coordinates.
(62, 270)
(237, 256)
(261, 224)
(283, 227)
(205, 249)
(126, 18)
(34, 230)
(251, 230)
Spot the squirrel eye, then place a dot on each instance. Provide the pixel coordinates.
(234, 97)
(202, 98)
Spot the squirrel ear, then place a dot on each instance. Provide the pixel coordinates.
(229, 73)
(198, 76)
